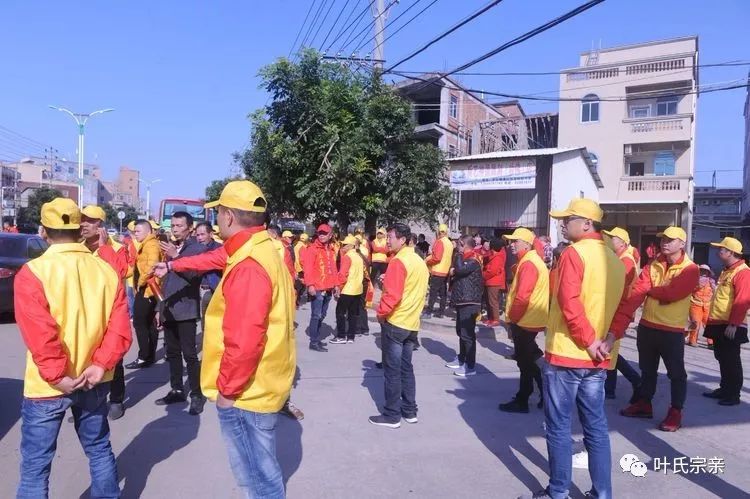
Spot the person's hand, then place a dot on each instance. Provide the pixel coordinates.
(223, 402)
(160, 270)
(593, 351)
(607, 344)
(730, 331)
(68, 385)
(93, 375)
(311, 290)
(103, 236)
(169, 249)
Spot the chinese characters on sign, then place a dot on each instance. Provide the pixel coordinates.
(630, 463)
(495, 175)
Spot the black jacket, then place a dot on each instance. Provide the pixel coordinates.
(467, 284)
(182, 290)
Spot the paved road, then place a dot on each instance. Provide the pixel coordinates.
(462, 447)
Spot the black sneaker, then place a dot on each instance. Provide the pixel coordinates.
(317, 347)
(515, 406)
(384, 421)
(379, 365)
(730, 401)
(138, 364)
(337, 341)
(536, 495)
(196, 405)
(116, 410)
(714, 394)
(173, 397)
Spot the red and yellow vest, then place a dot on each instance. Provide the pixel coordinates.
(672, 315)
(702, 294)
(626, 255)
(381, 244)
(297, 259)
(356, 275)
(364, 250)
(537, 313)
(407, 313)
(444, 265)
(599, 296)
(269, 388)
(630, 252)
(721, 305)
(66, 272)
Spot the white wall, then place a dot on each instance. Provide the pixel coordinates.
(570, 179)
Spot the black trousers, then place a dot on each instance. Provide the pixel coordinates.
(378, 269)
(179, 337)
(438, 289)
(655, 345)
(363, 324)
(347, 316)
(727, 352)
(117, 386)
(144, 311)
(527, 353)
(466, 321)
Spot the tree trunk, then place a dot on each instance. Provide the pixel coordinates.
(371, 223)
(343, 221)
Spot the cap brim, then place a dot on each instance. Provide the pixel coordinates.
(511, 237)
(609, 233)
(212, 204)
(559, 214)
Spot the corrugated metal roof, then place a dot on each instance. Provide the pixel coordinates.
(522, 153)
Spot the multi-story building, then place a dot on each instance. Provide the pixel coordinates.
(123, 191)
(718, 213)
(8, 192)
(634, 108)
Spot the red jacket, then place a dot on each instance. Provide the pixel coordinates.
(319, 266)
(494, 270)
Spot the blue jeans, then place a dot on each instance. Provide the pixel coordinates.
(41, 421)
(400, 385)
(564, 389)
(250, 438)
(319, 306)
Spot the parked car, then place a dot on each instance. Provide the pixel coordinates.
(15, 250)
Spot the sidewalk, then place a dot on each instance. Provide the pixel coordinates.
(461, 447)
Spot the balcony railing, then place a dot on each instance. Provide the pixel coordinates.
(675, 123)
(653, 185)
(655, 189)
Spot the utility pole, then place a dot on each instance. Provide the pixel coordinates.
(378, 11)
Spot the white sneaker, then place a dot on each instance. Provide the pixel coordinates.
(454, 364)
(413, 420)
(581, 460)
(464, 371)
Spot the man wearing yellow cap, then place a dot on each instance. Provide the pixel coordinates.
(249, 354)
(527, 312)
(351, 279)
(285, 250)
(700, 305)
(97, 240)
(665, 285)
(379, 257)
(726, 320)
(582, 306)
(620, 241)
(75, 338)
(299, 253)
(439, 262)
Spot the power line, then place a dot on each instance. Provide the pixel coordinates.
(314, 20)
(312, 4)
(354, 25)
(322, 23)
(414, 4)
(408, 22)
(335, 22)
(344, 28)
(363, 31)
(443, 35)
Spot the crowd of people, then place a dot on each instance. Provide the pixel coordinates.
(245, 283)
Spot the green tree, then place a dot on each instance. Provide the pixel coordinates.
(30, 216)
(213, 191)
(340, 144)
(131, 214)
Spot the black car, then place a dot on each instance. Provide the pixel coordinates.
(15, 250)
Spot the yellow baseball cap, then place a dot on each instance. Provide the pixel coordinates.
(241, 195)
(95, 212)
(521, 234)
(131, 226)
(61, 213)
(154, 225)
(443, 229)
(287, 233)
(349, 240)
(673, 233)
(381, 230)
(304, 237)
(731, 244)
(581, 207)
(619, 232)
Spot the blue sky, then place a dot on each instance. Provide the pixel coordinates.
(182, 75)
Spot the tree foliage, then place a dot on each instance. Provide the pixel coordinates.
(30, 215)
(340, 144)
(131, 214)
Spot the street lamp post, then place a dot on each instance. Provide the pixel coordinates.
(148, 183)
(81, 119)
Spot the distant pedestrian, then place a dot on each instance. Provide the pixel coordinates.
(75, 338)
(404, 289)
(379, 257)
(9, 227)
(423, 247)
(494, 282)
(439, 262)
(321, 279)
(204, 234)
(467, 288)
(351, 278)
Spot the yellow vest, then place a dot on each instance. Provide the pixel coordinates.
(269, 388)
(380, 244)
(445, 263)
(626, 255)
(356, 275)
(80, 289)
(673, 315)
(721, 304)
(600, 297)
(297, 261)
(364, 250)
(537, 313)
(280, 248)
(630, 253)
(407, 313)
